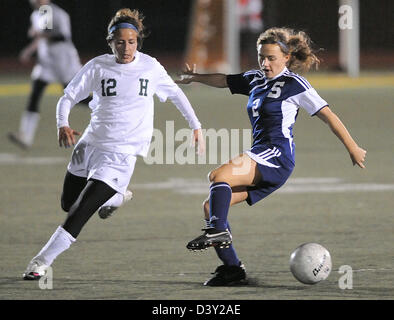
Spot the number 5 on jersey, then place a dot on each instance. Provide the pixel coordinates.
(276, 90)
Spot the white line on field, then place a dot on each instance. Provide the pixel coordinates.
(9, 158)
(293, 186)
(201, 186)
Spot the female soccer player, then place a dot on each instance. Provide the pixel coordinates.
(57, 61)
(275, 96)
(121, 127)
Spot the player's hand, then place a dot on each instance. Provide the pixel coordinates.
(66, 136)
(197, 136)
(187, 75)
(25, 56)
(358, 156)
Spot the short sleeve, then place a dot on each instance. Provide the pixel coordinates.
(238, 84)
(310, 101)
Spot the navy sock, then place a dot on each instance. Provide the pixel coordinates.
(219, 204)
(228, 255)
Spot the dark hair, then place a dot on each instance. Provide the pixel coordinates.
(296, 43)
(129, 16)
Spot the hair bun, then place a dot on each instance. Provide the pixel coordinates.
(124, 12)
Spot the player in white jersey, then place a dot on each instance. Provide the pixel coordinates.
(57, 61)
(120, 129)
(275, 96)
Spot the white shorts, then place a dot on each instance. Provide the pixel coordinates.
(59, 64)
(114, 169)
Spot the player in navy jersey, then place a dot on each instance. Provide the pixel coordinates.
(276, 94)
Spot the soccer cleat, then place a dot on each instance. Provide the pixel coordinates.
(107, 211)
(228, 276)
(17, 139)
(35, 270)
(211, 237)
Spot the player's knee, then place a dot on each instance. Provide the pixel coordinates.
(212, 175)
(65, 205)
(217, 175)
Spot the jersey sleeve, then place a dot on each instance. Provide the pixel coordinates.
(310, 101)
(61, 24)
(166, 87)
(238, 84)
(78, 89)
(81, 85)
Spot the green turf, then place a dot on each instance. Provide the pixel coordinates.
(140, 252)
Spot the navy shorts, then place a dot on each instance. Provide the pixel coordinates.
(275, 166)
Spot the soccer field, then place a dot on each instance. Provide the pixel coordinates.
(140, 253)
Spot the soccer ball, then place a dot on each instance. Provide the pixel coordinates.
(310, 263)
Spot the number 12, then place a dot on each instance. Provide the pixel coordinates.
(109, 90)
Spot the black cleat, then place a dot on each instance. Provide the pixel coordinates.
(228, 276)
(106, 212)
(211, 237)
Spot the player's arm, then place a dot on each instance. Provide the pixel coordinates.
(179, 99)
(356, 153)
(27, 52)
(65, 135)
(189, 75)
(78, 89)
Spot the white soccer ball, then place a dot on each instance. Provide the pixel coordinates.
(310, 263)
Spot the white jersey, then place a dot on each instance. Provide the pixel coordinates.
(122, 105)
(58, 59)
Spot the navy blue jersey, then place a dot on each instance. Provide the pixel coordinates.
(273, 105)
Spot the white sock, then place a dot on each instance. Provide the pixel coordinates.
(115, 201)
(60, 241)
(28, 126)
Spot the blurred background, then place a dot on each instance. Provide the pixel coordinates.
(174, 26)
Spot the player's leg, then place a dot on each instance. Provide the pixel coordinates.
(242, 171)
(75, 179)
(239, 172)
(72, 188)
(119, 199)
(232, 272)
(30, 117)
(90, 199)
(227, 255)
(239, 194)
(94, 195)
(118, 177)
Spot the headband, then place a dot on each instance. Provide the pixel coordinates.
(123, 25)
(282, 45)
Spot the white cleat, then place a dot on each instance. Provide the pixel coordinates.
(35, 270)
(127, 196)
(107, 211)
(19, 140)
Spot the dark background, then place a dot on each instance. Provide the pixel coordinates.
(168, 21)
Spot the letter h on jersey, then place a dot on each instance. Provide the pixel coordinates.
(143, 87)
